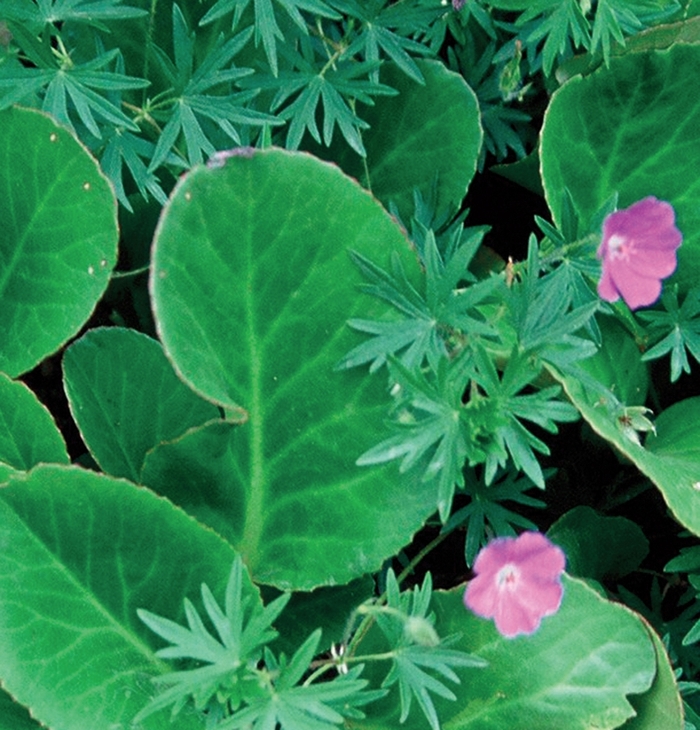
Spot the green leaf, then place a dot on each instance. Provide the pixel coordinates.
(193, 114)
(671, 458)
(598, 546)
(13, 716)
(28, 433)
(252, 285)
(126, 398)
(426, 133)
(681, 328)
(575, 672)
(80, 553)
(241, 636)
(661, 705)
(58, 11)
(618, 364)
(266, 27)
(60, 237)
(622, 129)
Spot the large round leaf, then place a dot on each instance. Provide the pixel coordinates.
(79, 553)
(428, 137)
(126, 398)
(59, 237)
(252, 285)
(575, 672)
(28, 433)
(632, 129)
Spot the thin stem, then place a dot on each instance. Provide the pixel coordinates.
(420, 555)
(135, 272)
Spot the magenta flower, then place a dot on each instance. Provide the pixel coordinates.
(638, 251)
(517, 582)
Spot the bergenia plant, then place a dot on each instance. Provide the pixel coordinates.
(348, 369)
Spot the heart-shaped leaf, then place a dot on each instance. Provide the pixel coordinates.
(59, 240)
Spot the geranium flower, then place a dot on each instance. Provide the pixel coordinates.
(638, 251)
(517, 582)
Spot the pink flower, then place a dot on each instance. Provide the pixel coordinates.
(638, 251)
(517, 582)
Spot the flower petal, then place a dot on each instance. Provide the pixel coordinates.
(517, 582)
(638, 249)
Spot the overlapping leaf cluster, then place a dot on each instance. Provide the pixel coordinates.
(235, 680)
(237, 72)
(466, 361)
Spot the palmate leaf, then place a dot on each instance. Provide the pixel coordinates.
(242, 632)
(541, 313)
(266, 27)
(679, 329)
(124, 148)
(486, 515)
(615, 19)
(71, 90)
(428, 426)
(434, 324)
(59, 11)
(384, 30)
(293, 706)
(418, 653)
(335, 89)
(190, 110)
(512, 407)
(561, 24)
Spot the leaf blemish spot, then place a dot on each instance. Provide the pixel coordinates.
(696, 486)
(53, 137)
(188, 196)
(91, 270)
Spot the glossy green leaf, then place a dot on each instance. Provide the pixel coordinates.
(126, 398)
(429, 133)
(618, 364)
(632, 129)
(59, 238)
(252, 285)
(14, 716)
(598, 546)
(671, 459)
(576, 672)
(661, 706)
(28, 433)
(79, 553)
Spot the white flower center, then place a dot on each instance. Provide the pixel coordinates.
(507, 577)
(620, 247)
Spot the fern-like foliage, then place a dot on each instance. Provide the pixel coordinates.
(233, 677)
